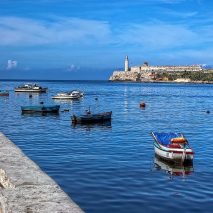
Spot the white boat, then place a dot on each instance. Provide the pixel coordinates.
(75, 94)
(172, 147)
(30, 88)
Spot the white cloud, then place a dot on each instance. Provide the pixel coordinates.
(158, 35)
(23, 31)
(180, 15)
(73, 68)
(11, 64)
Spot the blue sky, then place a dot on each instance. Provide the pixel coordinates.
(88, 39)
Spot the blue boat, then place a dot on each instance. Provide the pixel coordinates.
(92, 118)
(4, 93)
(40, 109)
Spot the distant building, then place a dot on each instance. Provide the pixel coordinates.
(147, 73)
(167, 68)
(126, 64)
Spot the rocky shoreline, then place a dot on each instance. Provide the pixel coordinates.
(175, 77)
(175, 82)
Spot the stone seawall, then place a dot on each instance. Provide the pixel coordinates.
(24, 188)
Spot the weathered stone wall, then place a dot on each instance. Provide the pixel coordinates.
(25, 188)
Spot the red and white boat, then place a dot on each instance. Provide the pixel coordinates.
(172, 146)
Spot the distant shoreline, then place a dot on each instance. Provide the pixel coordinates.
(48, 80)
(105, 81)
(173, 82)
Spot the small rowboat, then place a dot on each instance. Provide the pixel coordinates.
(91, 118)
(172, 147)
(4, 93)
(40, 109)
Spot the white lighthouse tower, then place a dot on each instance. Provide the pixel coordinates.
(126, 64)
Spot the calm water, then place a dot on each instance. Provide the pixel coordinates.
(107, 168)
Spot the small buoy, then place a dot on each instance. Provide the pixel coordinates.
(142, 105)
(207, 111)
(41, 102)
(96, 99)
(30, 96)
(66, 110)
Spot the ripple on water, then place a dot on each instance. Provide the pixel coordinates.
(110, 168)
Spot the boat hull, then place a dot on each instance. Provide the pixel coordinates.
(174, 154)
(43, 90)
(92, 118)
(40, 109)
(65, 97)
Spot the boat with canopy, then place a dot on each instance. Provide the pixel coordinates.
(172, 146)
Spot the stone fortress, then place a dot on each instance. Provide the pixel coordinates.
(146, 72)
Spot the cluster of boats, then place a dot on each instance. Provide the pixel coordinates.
(168, 146)
(88, 117)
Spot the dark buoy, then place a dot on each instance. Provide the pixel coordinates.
(207, 111)
(142, 105)
(96, 99)
(66, 110)
(30, 96)
(41, 102)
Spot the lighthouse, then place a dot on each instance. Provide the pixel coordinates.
(126, 64)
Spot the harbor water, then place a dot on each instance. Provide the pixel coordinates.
(111, 167)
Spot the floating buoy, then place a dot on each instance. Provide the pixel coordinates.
(96, 99)
(41, 102)
(142, 105)
(30, 96)
(207, 111)
(66, 110)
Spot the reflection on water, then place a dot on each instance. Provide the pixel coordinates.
(68, 101)
(103, 125)
(38, 114)
(110, 164)
(34, 94)
(173, 169)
